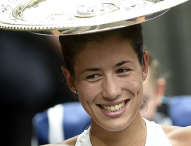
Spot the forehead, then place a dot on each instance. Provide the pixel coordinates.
(109, 44)
(111, 50)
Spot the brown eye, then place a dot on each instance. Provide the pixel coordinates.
(93, 77)
(123, 71)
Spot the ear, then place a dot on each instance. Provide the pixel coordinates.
(160, 90)
(69, 78)
(145, 65)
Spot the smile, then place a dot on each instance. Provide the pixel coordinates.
(114, 108)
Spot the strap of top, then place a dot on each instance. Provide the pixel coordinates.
(84, 138)
(155, 135)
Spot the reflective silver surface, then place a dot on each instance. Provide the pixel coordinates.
(66, 17)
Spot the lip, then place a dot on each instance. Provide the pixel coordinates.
(117, 113)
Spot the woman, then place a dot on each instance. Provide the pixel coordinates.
(107, 70)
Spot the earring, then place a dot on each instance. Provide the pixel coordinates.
(143, 79)
(75, 91)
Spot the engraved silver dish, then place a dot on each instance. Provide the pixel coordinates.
(71, 17)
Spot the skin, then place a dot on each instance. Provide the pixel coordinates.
(100, 79)
(110, 83)
(110, 72)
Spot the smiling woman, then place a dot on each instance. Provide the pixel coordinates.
(107, 70)
(106, 74)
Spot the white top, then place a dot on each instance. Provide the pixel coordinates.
(155, 136)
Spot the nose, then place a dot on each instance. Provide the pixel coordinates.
(110, 88)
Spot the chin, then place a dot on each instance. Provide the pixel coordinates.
(116, 129)
(117, 125)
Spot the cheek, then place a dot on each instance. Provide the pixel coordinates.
(87, 91)
(133, 84)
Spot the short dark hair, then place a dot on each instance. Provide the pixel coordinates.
(74, 44)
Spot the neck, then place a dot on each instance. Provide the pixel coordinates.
(133, 135)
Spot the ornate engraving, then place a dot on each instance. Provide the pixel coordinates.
(94, 10)
(82, 14)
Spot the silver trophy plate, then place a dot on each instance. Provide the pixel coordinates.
(71, 17)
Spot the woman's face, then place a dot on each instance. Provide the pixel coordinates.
(108, 79)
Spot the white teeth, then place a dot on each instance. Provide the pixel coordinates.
(116, 107)
(113, 108)
(120, 105)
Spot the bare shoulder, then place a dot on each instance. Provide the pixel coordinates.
(178, 136)
(68, 142)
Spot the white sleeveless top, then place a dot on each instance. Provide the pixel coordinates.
(155, 136)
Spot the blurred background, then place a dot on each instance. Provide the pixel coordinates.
(168, 38)
(31, 79)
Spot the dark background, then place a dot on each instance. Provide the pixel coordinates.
(31, 81)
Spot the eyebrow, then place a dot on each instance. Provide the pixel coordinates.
(90, 69)
(121, 63)
(98, 69)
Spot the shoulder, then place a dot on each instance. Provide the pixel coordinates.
(178, 136)
(68, 142)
